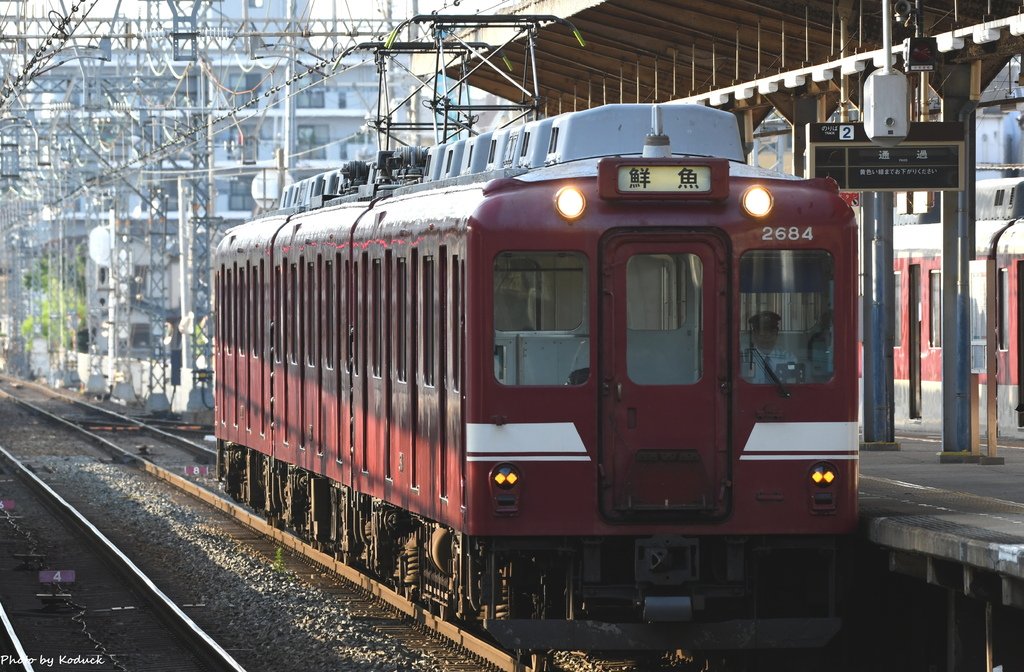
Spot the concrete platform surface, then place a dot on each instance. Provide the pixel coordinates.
(936, 515)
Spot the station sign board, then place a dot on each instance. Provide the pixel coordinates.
(930, 159)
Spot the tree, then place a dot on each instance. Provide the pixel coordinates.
(66, 302)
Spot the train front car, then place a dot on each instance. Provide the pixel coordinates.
(661, 405)
(602, 396)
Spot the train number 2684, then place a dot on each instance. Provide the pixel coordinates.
(787, 233)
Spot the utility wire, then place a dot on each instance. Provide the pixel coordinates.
(41, 57)
(187, 136)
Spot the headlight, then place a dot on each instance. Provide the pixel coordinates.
(570, 203)
(757, 201)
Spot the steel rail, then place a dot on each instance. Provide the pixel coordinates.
(170, 614)
(12, 653)
(498, 658)
(190, 445)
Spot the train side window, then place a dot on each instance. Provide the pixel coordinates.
(541, 334)
(664, 340)
(347, 332)
(310, 330)
(358, 315)
(221, 310)
(218, 302)
(790, 292)
(330, 328)
(254, 312)
(935, 309)
(456, 319)
(1004, 309)
(243, 310)
(402, 308)
(228, 332)
(376, 323)
(292, 295)
(262, 324)
(429, 307)
(279, 314)
(977, 314)
(897, 313)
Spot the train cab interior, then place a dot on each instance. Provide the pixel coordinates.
(791, 291)
(541, 335)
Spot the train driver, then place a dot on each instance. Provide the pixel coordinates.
(765, 360)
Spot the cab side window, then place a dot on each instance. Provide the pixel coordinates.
(541, 335)
(785, 320)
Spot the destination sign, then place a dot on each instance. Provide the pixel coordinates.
(671, 179)
(663, 178)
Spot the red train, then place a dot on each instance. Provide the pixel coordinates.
(514, 376)
(918, 338)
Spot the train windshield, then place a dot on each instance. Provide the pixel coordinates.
(663, 334)
(541, 335)
(786, 299)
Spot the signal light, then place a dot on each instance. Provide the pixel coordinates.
(921, 54)
(505, 476)
(823, 474)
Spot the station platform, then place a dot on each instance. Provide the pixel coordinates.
(957, 525)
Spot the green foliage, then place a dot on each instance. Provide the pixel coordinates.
(279, 560)
(55, 301)
(28, 327)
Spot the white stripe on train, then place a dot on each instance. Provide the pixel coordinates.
(560, 442)
(802, 441)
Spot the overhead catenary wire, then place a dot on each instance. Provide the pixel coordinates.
(184, 138)
(42, 55)
(183, 135)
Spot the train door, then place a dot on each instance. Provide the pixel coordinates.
(914, 338)
(664, 414)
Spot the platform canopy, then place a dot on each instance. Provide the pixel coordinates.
(740, 53)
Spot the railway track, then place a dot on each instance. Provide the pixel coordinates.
(112, 617)
(123, 431)
(166, 456)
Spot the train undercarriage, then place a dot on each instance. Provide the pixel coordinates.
(658, 593)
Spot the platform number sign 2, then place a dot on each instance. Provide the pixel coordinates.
(846, 132)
